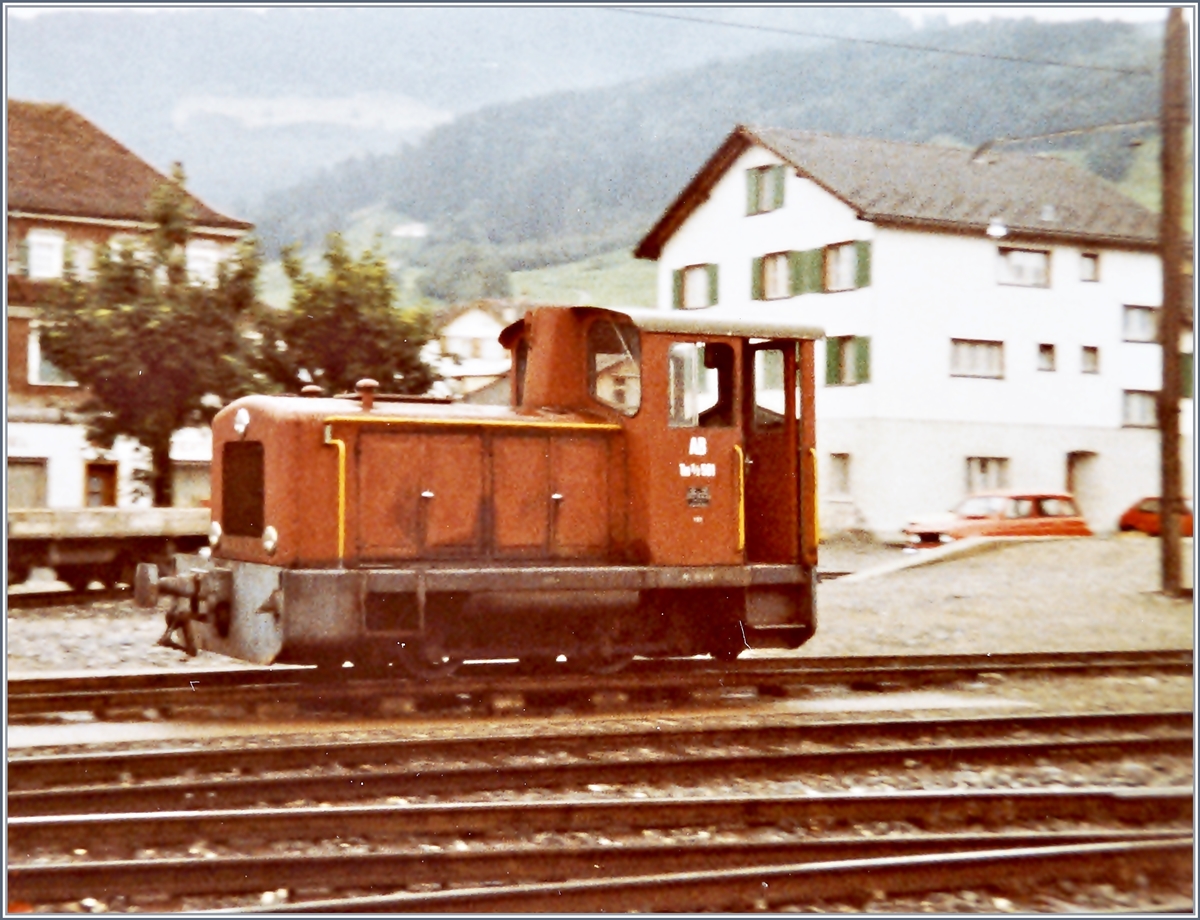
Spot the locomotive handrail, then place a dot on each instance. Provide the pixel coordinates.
(741, 481)
(530, 421)
(341, 448)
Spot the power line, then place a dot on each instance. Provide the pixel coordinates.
(1066, 132)
(1128, 71)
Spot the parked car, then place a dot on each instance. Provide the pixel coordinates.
(1002, 514)
(1144, 516)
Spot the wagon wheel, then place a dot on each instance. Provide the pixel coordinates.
(78, 577)
(428, 659)
(18, 573)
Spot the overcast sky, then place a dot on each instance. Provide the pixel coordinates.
(957, 14)
(954, 14)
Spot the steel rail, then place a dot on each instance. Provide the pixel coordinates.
(34, 600)
(42, 771)
(931, 810)
(224, 875)
(763, 887)
(190, 689)
(423, 780)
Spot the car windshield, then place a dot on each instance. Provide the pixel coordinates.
(980, 506)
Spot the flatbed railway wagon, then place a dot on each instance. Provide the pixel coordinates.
(83, 545)
(649, 491)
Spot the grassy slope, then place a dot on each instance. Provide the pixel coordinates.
(615, 279)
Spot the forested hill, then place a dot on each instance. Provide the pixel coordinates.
(560, 177)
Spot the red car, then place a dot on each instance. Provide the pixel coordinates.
(1003, 514)
(1143, 516)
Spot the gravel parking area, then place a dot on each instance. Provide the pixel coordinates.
(1062, 595)
(1079, 594)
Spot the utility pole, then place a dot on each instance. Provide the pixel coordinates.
(1174, 115)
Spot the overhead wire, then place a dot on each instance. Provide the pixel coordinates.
(882, 43)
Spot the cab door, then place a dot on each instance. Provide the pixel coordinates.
(771, 434)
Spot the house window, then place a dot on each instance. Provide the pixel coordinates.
(26, 483)
(986, 474)
(764, 189)
(847, 360)
(776, 276)
(1141, 324)
(203, 257)
(82, 258)
(615, 365)
(46, 251)
(1089, 360)
(839, 474)
(1141, 409)
(841, 267)
(1045, 358)
(695, 287)
(969, 358)
(1089, 266)
(1025, 267)
(42, 372)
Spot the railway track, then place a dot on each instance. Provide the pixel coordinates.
(36, 600)
(190, 692)
(330, 772)
(741, 812)
(635, 847)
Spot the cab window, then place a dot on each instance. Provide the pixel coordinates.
(700, 385)
(615, 365)
(769, 395)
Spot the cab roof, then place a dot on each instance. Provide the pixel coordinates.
(749, 322)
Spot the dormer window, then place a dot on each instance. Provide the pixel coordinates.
(764, 189)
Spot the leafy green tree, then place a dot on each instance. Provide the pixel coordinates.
(463, 272)
(342, 325)
(154, 351)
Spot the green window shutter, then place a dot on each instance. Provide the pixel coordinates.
(1186, 370)
(862, 359)
(753, 177)
(795, 272)
(833, 362)
(678, 290)
(812, 271)
(862, 272)
(711, 268)
(777, 176)
(756, 285)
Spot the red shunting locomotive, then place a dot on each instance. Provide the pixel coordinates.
(650, 491)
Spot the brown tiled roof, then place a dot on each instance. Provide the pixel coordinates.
(60, 163)
(934, 186)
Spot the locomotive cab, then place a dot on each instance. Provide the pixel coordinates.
(649, 491)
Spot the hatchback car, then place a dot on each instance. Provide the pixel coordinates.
(1002, 514)
(1144, 516)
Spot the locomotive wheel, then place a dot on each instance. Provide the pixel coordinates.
(726, 641)
(427, 659)
(610, 663)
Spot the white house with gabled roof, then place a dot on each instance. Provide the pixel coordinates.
(991, 318)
